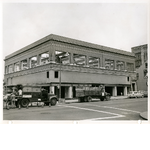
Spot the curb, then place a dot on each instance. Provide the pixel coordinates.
(76, 100)
(144, 115)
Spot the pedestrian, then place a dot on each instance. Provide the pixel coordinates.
(19, 98)
(44, 95)
(13, 97)
(20, 92)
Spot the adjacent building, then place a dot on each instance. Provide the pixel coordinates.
(55, 62)
(141, 65)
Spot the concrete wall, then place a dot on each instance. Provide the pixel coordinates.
(141, 82)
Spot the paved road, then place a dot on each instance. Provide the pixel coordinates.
(125, 109)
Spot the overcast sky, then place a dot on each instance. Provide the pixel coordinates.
(117, 25)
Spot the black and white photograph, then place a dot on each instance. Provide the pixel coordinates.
(74, 74)
(82, 62)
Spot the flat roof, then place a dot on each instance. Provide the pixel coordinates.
(53, 37)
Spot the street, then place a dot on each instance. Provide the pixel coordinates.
(122, 109)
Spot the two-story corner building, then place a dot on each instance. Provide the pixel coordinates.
(141, 65)
(55, 61)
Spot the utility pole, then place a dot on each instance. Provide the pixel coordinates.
(60, 81)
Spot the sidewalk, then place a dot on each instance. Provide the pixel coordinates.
(144, 115)
(118, 97)
(75, 100)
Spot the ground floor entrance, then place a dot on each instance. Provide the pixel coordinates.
(109, 89)
(68, 91)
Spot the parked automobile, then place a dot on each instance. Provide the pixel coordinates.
(135, 94)
(145, 93)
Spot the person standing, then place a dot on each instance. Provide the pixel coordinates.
(20, 92)
(19, 99)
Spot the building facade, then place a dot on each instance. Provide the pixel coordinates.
(141, 65)
(56, 62)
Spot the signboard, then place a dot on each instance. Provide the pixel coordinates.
(27, 96)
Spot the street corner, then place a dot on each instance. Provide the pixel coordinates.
(144, 115)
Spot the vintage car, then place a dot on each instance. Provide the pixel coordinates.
(135, 94)
(145, 93)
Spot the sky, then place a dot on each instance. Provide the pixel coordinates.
(116, 25)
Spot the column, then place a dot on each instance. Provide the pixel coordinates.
(125, 66)
(142, 55)
(38, 59)
(51, 56)
(115, 65)
(28, 62)
(131, 87)
(19, 65)
(115, 91)
(6, 69)
(125, 91)
(52, 90)
(71, 58)
(13, 67)
(103, 61)
(98, 62)
(70, 92)
(133, 66)
(87, 60)
(135, 86)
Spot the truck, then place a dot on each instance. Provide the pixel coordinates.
(32, 94)
(85, 94)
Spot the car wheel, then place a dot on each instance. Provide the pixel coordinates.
(102, 99)
(107, 97)
(16, 103)
(53, 101)
(85, 99)
(89, 98)
(24, 102)
(8, 103)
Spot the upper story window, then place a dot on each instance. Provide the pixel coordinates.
(137, 75)
(10, 68)
(146, 65)
(6, 70)
(145, 56)
(44, 58)
(79, 59)
(138, 56)
(33, 62)
(130, 67)
(145, 72)
(16, 67)
(109, 64)
(47, 74)
(93, 62)
(56, 74)
(120, 65)
(62, 57)
(24, 64)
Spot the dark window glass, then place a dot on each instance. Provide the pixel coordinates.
(145, 65)
(137, 75)
(56, 74)
(128, 78)
(47, 74)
